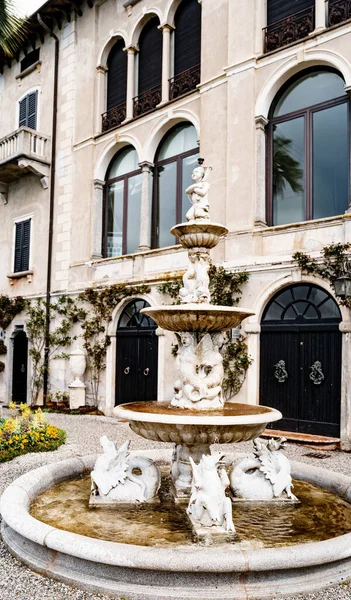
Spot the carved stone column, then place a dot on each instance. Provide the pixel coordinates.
(145, 211)
(101, 105)
(131, 52)
(320, 12)
(96, 225)
(166, 60)
(260, 212)
(345, 421)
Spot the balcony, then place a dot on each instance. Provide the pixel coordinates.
(114, 117)
(338, 12)
(23, 152)
(289, 30)
(147, 101)
(184, 82)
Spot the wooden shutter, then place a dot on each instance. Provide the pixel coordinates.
(280, 9)
(28, 111)
(22, 245)
(116, 76)
(187, 36)
(150, 56)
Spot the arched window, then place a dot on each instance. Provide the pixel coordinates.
(175, 160)
(308, 149)
(122, 204)
(187, 48)
(116, 87)
(150, 68)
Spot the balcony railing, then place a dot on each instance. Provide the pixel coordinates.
(114, 117)
(288, 30)
(184, 82)
(338, 11)
(147, 101)
(22, 151)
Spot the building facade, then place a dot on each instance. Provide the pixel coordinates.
(260, 89)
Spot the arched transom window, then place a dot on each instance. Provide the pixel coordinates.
(132, 318)
(301, 304)
(175, 160)
(122, 204)
(308, 149)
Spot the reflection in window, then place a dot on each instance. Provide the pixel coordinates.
(309, 149)
(123, 204)
(175, 160)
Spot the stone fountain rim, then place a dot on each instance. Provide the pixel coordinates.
(204, 419)
(16, 499)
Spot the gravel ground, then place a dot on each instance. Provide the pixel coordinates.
(17, 582)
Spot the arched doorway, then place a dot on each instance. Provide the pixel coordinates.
(137, 355)
(19, 367)
(300, 364)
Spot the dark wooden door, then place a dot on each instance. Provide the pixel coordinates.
(137, 356)
(300, 366)
(19, 368)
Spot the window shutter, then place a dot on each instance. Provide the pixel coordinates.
(116, 76)
(22, 244)
(25, 245)
(28, 111)
(32, 110)
(187, 36)
(23, 112)
(280, 9)
(150, 56)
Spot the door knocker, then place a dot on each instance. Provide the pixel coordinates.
(280, 372)
(23, 369)
(316, 375)
(126, 371)
(146, 371)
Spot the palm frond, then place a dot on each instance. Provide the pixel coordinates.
(12, 28)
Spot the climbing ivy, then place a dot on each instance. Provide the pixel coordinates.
(225, 288)
(63, 310)
(9, 308)
(333, 262)
(94, 320)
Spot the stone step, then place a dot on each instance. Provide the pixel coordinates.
(317, 442)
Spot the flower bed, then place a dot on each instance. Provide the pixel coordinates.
(27, 432)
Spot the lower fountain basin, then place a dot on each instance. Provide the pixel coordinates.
(185, 572)
(197, 317)
(161, 422)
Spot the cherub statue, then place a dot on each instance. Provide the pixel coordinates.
(266, 476)
(201, 373)
(196, 279)
(186, 364)
(208, 503)
(114, 480)
(198, 192)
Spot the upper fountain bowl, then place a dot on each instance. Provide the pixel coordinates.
(199, 234)
(197, 317)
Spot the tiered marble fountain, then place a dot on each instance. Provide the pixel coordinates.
(160, 528)
(197, 416)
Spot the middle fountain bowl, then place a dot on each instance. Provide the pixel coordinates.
(197, 317)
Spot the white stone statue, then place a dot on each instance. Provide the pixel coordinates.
(208, 504)
(264, 477)
(200, 373)
(117, 477)
(198, 193)
(196, 279)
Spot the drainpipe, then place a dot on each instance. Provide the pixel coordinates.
(52, 204)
